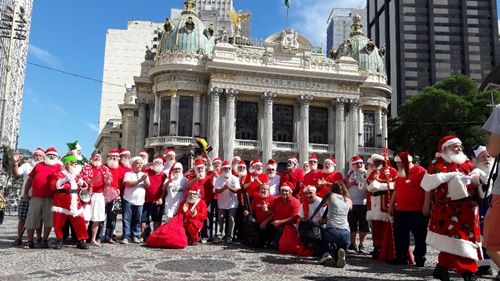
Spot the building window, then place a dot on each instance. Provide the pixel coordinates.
(246, 120)
(369, 128)
(136, 113)
(165, 116)
(318, 125)
(282, 123)
(185, 121)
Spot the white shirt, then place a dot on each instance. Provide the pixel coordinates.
(227, 199)
(313, 207)
(274, 185)
(25, 171)
(175, 194)
(136, 194)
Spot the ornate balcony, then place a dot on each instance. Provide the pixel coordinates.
(285, 146)
(247, 144)
(321, 148)
(170, 141)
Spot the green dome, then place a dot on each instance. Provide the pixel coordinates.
(362, 49)
(187, 33)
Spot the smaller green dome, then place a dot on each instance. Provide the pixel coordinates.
(187, 33)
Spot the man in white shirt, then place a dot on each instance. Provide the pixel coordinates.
(273, 179)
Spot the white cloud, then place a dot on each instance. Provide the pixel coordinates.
(309, 17)
(44, 56)
(92, 126)
(58, 108)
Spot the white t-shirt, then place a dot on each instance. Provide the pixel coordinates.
(175, 194)
(274, 186)
(136, 194)
(25, 171)
(227, 199)
(313, 207)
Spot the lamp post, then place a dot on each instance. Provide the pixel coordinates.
(13, 26)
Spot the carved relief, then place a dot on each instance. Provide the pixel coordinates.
(289, 43)
(304, 100)
(268, 97)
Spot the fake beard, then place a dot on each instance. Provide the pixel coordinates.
(290, 167)
(125, 162)
(158, 168)
(113, 164)
(226, 174)
(485, 167)
(313, 167)
(263, 194)
(457, 158)
(50, 162)
(191, 200)
(271, 175)
(258, 172)
(170, 162)
(74, 170)
(96, 164)
(175, 176)
(328, 170)
(203, 174)
(379, 167)
(242, 173)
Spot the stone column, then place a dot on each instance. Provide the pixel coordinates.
(141, 127)
(361, 126)
(197, 114)
(213, 126)
(304, 101)
(267, 139)
(157, 118)
(174, 114)
(230, 127)
(339, 104)
(352, 149)
(151, 125)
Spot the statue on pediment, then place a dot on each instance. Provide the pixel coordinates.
(289, 42)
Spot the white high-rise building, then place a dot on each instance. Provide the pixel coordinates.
(339, 25)
(15, 16)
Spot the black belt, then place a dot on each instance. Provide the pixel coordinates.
(67, 191)
(378, 193)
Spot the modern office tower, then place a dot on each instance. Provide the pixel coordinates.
(15, 22)
(339, 25)
(215, 12)
(427, 41)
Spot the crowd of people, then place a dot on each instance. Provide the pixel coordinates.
(217, 198)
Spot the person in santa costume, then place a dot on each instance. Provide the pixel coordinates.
(328, 177)
(169, 155)
(294, 175)
(454, 224)
(273, 178)
(153, 205)
(313, 176)
(380, 184)
(173, 190)
(194, 212)
(67, 205)
(113, 166)
(254, 181)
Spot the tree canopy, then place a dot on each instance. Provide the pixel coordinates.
(453, 106)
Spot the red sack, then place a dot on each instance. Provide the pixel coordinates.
(169, 235)
(289, 241)
(305, 251)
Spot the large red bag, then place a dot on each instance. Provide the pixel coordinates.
(169, 235)
(289, 241)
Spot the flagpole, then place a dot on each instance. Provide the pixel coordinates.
(287, 8)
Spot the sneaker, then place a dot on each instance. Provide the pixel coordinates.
(217, 240)
(229, 240)
(441, 273)
(352, 248)
(141, 239)
(484, 270)
(497, 278)
(326, 257)
(125, 241)
(136, 240)
(361, 249)
(82, 245)
(468, 276)
(110, 241)
(341, 259)
(58, 245)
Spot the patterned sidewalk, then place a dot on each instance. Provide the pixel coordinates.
(201, 262)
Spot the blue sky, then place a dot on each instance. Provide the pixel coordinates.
(69, 35)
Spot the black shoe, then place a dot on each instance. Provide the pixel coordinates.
(468, 276)
(82, 245)
(441, 273)
(398, 262)
(375, 253)
(484, 270)
(58, 245)
(352, 248)
(217, 240)
(361, 249)
(420, 264)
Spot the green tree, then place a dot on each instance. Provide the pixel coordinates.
(451, 107)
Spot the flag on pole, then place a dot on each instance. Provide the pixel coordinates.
(287, 3)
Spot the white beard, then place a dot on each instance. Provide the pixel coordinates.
(171, 162)
(328, 170)
(313, 167)
(175, 176)
(96, 164)
(258, 172)
(456, 158)
(485, 167)
(157, 169)
(378, 168)
(290, 167)
(125, 162)
(263, 195)
(50, 162)
(74, 170)
(191, 200)
(203, 174)
(226, 174)
(113, 164)
(242, 173)
(271, 175)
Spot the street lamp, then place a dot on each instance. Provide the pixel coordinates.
(13, 25)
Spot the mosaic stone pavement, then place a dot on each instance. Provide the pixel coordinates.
(201, 262)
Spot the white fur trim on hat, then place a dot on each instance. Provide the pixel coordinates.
(478, 151)
(398, 159)
(286, 187)
(177, 165)
(451, 142)
(310, 188)
(377, 157)
(133, 159)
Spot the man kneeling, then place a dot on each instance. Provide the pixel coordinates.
(194, 211)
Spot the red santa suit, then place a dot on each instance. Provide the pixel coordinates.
(193, 222)
(454, 224)
(331, 178)
(67, 204)
(380, 184)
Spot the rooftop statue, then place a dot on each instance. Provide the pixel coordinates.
(237, 18)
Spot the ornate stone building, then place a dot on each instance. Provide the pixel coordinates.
(275, 100)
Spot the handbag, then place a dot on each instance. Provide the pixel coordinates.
(250, 226)
(310, 231)
(109, 194)
(117, 206)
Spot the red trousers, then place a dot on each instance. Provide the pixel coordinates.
(77, 222)
(193, 229)
(383, 237)
(460, 264)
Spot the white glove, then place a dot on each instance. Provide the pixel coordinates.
(81, 182)
(456, 188)
(475, 180)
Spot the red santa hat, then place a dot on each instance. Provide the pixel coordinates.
(242, 164)
(313, 158)
(398, 158)
(217, 160)
(176, 165)
(124, 151)
(294, 160)
(51, 151)
(38, 149)
(143, 153)
(287, 185)
(331, 160)
(309, 188)
(226, 164)
(158, 159)
(377, 157)
(256, 161)
(169, 152)
(199, 163)
(369, 161)
(447, 141)
(356, 159)
(270, 166)
(194, 190)
(114, 152)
